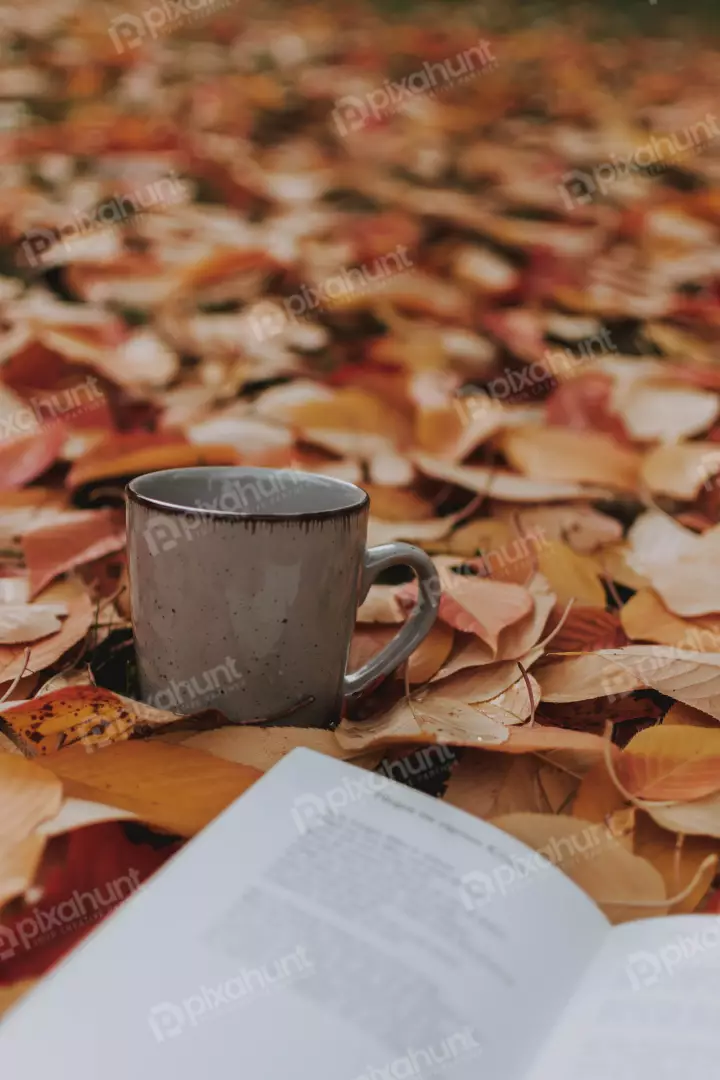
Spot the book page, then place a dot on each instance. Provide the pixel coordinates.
(648, 1008)
(331, 925)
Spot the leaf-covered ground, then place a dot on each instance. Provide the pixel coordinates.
(477, 274)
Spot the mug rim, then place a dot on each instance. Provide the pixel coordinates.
(361, 499)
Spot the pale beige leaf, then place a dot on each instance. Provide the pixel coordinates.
(680, 470)
(690, 677)
(263, 747)
(563, 455)
(381, 606)
(680, 565)
(77, 813)
(701, 817)
(655, 411)
(29, 622)
(418, 532)
(500, 484)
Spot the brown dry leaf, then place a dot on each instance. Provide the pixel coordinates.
(680, 470)
(572, 576)
(174, 788)
(595, 860)
(490, 785)
(503, 485)
(690, 677)
(47, 650)
(671, 763)
(598, 796)
(679, 860)
(565, 456)
(645, 618)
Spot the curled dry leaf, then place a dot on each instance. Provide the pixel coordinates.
(617, 881)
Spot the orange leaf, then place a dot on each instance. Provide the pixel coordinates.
(53, 549)
(170, 787)
(674, 762)
(23, 460)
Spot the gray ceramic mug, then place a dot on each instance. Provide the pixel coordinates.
(245, 584)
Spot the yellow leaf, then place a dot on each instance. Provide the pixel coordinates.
(571, 575)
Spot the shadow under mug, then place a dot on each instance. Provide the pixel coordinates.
(245, 584)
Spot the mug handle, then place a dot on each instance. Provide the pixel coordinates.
(418, 625)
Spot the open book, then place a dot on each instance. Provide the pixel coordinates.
(334, 925)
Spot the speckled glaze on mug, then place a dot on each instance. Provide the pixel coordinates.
(245, 584)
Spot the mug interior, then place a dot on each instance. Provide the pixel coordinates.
(240, 491)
